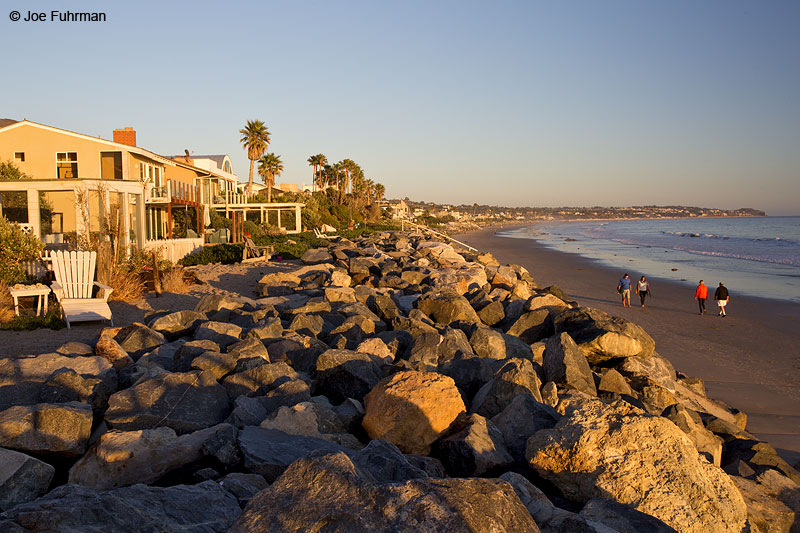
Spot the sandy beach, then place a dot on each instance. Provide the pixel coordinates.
(749, 359)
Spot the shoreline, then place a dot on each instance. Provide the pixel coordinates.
(749, 360)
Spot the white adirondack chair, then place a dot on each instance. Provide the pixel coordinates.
(73, 287)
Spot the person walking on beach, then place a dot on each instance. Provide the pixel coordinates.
(722, 297)
(624, 288)
(701, 293)
(643, 289)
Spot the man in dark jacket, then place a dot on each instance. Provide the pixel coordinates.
(722, 297)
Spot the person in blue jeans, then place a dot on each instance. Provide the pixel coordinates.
(624, 288)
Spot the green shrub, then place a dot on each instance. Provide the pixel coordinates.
(218, 253)
(16, 246)
(29, 323)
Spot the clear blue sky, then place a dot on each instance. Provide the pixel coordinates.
(510, 103)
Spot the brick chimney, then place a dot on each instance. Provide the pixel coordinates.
(125, 136)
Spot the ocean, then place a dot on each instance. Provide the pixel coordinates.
(753, 256)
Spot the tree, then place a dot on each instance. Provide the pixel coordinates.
(255, 138)
(318, 162)
(270, 166)
(380, 190)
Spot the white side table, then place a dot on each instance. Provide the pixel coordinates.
(40, 291)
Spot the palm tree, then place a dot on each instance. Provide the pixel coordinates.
(317, 161)
(255, 138)
(380, 190)
(270, 166)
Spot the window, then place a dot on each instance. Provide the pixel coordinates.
(67, 163)
(19, 157)
(111, 165)
(226, 166)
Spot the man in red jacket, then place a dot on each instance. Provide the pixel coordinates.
(700, 294)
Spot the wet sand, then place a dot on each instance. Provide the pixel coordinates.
(749, 360)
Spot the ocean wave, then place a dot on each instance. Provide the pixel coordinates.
(746, 257)
(726, 237)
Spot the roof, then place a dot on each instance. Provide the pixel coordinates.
(129, 148)
(6, 122)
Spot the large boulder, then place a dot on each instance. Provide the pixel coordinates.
(137, 339)
(258, 380)
(532, 326)
(331, 493)
(122, 458)
(312, 419)
(472, 447)
(46, 428)
(14, 372)
(315, 256)
(564, 364)
(690, 423)
(412, 409)
(222, 333)
(109, 349)
(617, 451)
(517, 376)
(184, 402)
(343, 374)
(601, 336)
(203, 507)
(268, 452)
(22, 478)
(523, 417)
(68, 386)
(447, 307)
(174, 325)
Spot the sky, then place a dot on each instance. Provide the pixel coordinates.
(530, 103)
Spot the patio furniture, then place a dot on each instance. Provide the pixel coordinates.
(74, 285)
(40, 291)
(250, 248)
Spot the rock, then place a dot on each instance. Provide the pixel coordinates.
(270, 329)
(137, 339)
(210, 303)
(68, 386)
(612, 381)
(22, 478)
(185, 354)
(690, 423)
(343, 374)
(340, 295)
(601, 336)
(492, 314)
(549, 518)
(515, 377)
(532, 326)
(411, 409)
(375, 346)
(219, 364)
(656, 368)
(15, 371)
(565, 365)
(765, 512)
(616, 451)
(75, 348)
(472, 447)
(339, 278)
(163, 356)
(185, 402)
(258, 380)
(177, 324)
(249, 347)
(315, 256)
(550, 394)
(219, 332)
(109, 349)
(487, 259)
(331, 493)
(47, 429)
(386, 463)
(307, 324)
(488, 342)
(447, 307)
(523, 417)
(621, 517)
(268, 452)
(203, 507)
(547, 301)
(122, 458)
(243, 486)
(311, 419)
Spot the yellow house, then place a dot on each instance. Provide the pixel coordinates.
(78, 181)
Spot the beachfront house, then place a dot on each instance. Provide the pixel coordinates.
(75, 185)
(398, 209)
